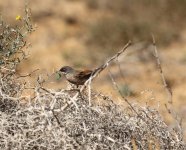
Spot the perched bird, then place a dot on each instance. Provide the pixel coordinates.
(75, 76)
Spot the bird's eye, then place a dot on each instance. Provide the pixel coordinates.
(62, 69)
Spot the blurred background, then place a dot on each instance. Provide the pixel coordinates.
(85, 33)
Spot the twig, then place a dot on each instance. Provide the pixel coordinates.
(55, 116)
(107, 63)
(117, 88)
(120, 70)
(167, 88)
(29, 74)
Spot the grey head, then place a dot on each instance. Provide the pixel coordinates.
(66, 69)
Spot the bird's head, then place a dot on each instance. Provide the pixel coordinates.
(66, 69)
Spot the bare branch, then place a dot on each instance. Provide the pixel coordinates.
(167, 88)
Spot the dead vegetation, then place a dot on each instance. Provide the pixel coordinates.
(41, 124)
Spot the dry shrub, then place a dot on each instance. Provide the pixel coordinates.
(42, 123)
(12, 52)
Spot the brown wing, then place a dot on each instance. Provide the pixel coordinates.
(84, 75)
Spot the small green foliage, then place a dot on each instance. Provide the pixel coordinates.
(13, 40)
(58, 76)
(126, 90)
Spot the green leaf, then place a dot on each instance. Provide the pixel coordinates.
(58, 76)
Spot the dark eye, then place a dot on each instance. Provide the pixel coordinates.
(63, 69)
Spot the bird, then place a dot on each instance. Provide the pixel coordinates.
(76, 77)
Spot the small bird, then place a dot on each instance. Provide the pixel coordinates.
(75, 76)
